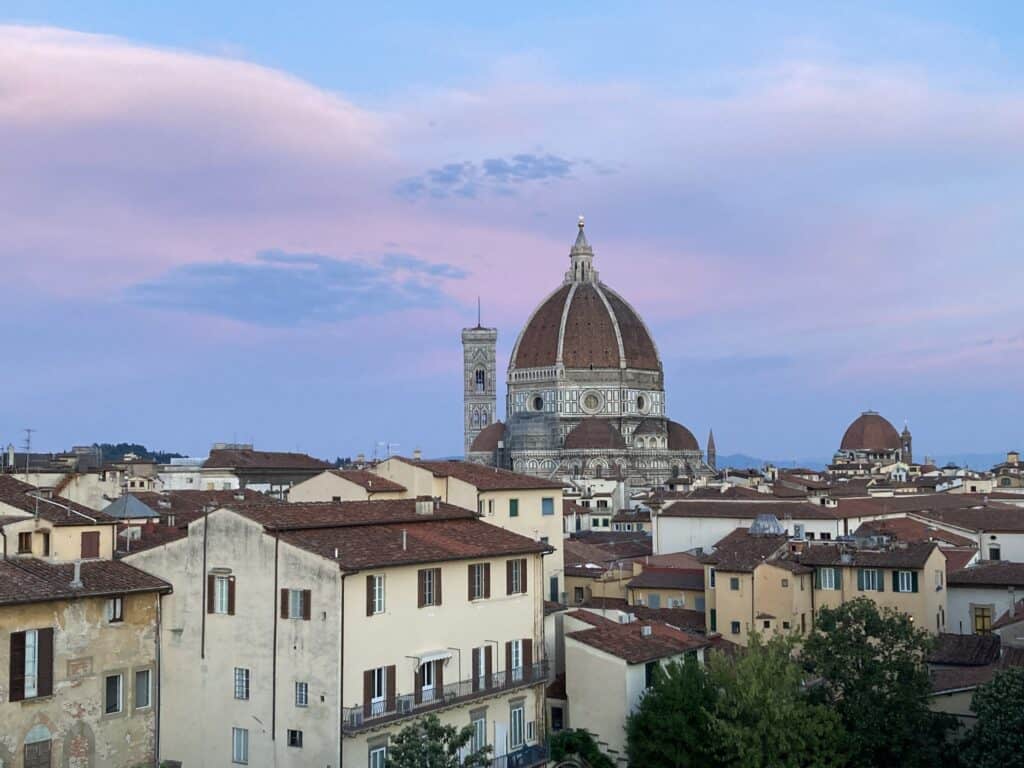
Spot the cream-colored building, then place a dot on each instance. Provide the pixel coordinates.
(609, 665)
(382, 611)
(527, 505)
(667, 587)
(78, 664)
(347, 485)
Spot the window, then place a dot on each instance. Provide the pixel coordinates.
(516, 659)
(241, 683)
(557, 719)
(649, 668)
(827, 578)
(578, 595)
(734, 627)
(429, 585)
(767, 624)
(538, 403)
(295, 604)
(427, 677)
(113, 694)
(90, 544)
(734, 583)
(826, 536)
(302, 694)
(982, 618)
(143, 688)
(374, 594)
(490, 506)
(869, 580)
(513, 507)
(240, 746)
(515, 572)
(46, 543)
(711, 578)
(676, 602)
(785, 583)
(938, 579)
(479, 740)
(25, 543)
(31, 664)
(602, 503)
(785, 625)
(378, 757)
(714, 620)
(221, 595)
(547, 506)
(517, 730)
(115, 609)
(994, 553)
(481, 380)
(904, 581)
(294, 738)
(654, 600)
(479, 581)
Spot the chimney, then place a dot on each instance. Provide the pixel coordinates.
(239, 496)
(405, 540)
(10, 456)
(76, 582)
(417, 454)
(645, 630)
(424, 505)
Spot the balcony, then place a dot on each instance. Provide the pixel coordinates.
(527, 757)
(362, 717)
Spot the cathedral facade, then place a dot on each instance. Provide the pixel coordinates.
(585, 392)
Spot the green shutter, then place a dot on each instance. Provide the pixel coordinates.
(880, 580)
(513, 507)
(895, 581)
(714, 620)
(913, 581)
(860, 579)
(817, 578)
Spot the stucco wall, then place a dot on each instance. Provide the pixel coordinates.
(86, 649)
(65, 540)
(533, 523)
(682, 534)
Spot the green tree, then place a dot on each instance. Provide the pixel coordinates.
(672, 725)
(763, 715)
(874, 673)
(426, 743)
(997, 740)
(580, 743)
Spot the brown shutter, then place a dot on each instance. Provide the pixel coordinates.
(284, 603)
(508, 662)
(476, 669)
(439, 679)
(470, 570)
(418, 686)
(367, 691)
(90, 544)
(522, 575)
(17, 677)
(487, 580)
(527, 658)
(44, 661)
(488, 666)
(389, 687)
(231, 595)
(210, 583)
(307, 607)
(437, 586)
(421, 588)
(369, 595)
(508, 576)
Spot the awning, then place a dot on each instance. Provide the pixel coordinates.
(426, 658)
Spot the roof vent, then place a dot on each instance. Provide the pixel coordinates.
(417, 454)
(424, 505)
(645, 630)
(164, 503)
(239, 496)
(76, 582)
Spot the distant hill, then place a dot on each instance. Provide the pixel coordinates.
(117, 452)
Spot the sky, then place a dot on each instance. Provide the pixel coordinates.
(252, 222)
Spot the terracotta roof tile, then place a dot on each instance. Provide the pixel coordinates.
(912, 530)
(627, 642)
(668, 578)
(594, 433)
(27, 580)
(964, 650)
(58, 511)
(911, 556)
(368, 480)
(744, 509)
(485, 478)
(246, 458)
(989, 573)
(1009, 618)
(740, 552)
(871, 432)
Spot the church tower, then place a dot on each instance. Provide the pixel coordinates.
(479, 380)
(907, 453)
(712, 451)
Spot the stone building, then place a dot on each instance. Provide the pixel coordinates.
(872, 446)
(585, 390)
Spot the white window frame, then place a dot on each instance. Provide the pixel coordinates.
(120, 694)
(294, 603)
(481, 666)
(378, 593)
(148, 689)
(517, 727)
(829, 579)
(242, 686)
(479, 739)
(298, 738)
(871, 578)
(478, 581)
(379, 692)
(115, 609)
(221, 587)
(427, 680)
(904, 581)
(517, 577)
(378, 757)
(240, 746)
(301, 694)
(517, 659)
(31, 663)
(429, 591)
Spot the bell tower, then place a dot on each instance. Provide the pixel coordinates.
(479, 381)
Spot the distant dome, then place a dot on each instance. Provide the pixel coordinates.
(870, 432)
(594, 434)
(680, 438)
(650, 427)
(488, 438)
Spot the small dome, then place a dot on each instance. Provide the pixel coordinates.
(594, 433)
(870, 432)
(680, 438)
(650, 427)
(488, 438)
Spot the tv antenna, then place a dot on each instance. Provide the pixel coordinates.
(28, 448)
(389, 449)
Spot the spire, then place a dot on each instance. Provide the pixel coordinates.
(711, 439)
(712, 452)
(581, 257)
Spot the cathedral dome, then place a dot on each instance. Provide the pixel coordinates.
(594, 434)
(870, 432)
(585, 325)
(488, 438)
(680, 438)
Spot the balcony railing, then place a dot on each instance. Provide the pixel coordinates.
(358, 718)
(527, 757)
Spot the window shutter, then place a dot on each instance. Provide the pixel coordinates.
(508, 576)
(913, 581)
(522, 573)
(880, 580)
(307, 600)
(369, 595)
(421, 588)
(488, 666)
(487, 579)
(437, 586)
(284, 603)
(527, 658)
(418, 687)
(389, 687)
(470, 570)
(367, 691)
(45, 662)
(17, 676)
(90, 544)
(231, 595)
(211, 583)
(860, 579)
(476, 669)
(895, 581)
(817, 578)
(508, 661)
(438, 678)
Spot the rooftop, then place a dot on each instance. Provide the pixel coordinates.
(912, 530)
(627, 641)
(58, 511)
(989, 573)
(484, 478)
(28, 580)
(749, 508)
(668, 578)
(366, 479)
(965, 650)
(909, 556)
(248, 458)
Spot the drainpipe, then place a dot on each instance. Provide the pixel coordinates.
(4, 535)
(273, 657)
(203, 580)
(156, 685)
(341, 676)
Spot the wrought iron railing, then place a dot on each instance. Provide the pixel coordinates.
(535, 754)
(409, 705)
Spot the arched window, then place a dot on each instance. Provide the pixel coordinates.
(481, 380)
(599, 471)
(483, 418)
(476, 417)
